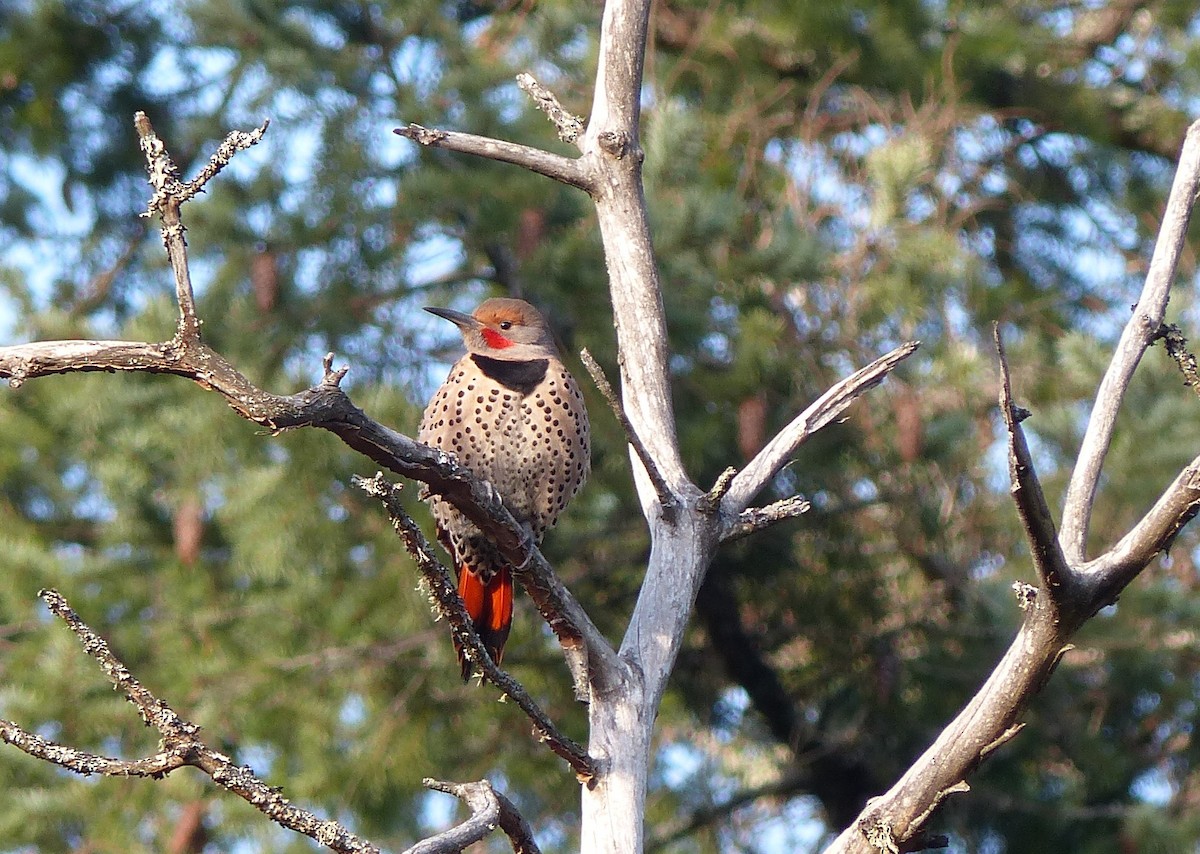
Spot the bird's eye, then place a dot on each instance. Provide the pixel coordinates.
(506, 324)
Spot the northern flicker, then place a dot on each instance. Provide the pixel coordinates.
(512, 414)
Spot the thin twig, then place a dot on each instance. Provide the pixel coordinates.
(1026, 490)
(563, 169)
(82, 762)
(450, 606)
(180, 746)
(751, 479)
(569, 125)
(1139, 332)
(235, 141)
(168, 196)
(153, 711)
(665, 497)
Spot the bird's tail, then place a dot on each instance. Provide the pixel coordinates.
(490, 607)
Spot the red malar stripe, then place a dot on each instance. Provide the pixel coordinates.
(495, 339)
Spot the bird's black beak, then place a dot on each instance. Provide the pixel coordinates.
(458, 318)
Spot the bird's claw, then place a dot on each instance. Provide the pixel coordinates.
(529, 545)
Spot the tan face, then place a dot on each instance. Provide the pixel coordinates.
(506, 322)
(502, 328)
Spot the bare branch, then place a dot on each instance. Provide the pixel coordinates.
(562, 169)
(665, 497)
(485, 815)
(612, 144)
(569, 126)
(1108, 574)
(987, 721)
(489, 808)
(755, 519)
(1138, 334)
(234, 142)
(751, 480)
(1026, 490)
(449, 605)
(1067, 598)
(154, 712)
(169, 195)
(22, 362)
(82, 762)
(181, 746)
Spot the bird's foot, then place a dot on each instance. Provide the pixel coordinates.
(528, 544)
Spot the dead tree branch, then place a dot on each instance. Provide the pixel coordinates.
(324, 406)
(1070, 591)
(181, 746)
(755, 519)
(327, 407)
(1109, 574)
(767, 463)
(898, 816)
(562, 169)
(449, 605)
(489, 808)
(665, 498)
(1139, 333)
(1026, 489)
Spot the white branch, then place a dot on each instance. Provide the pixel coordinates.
(1138, 335)
(611, 142)
(751, 480)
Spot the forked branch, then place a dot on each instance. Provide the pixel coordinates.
(489, 808)
(169, 196)
(449, 605)
(181, 746)
(1070, 591)
(767, 463)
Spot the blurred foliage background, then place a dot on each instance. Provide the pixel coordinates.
(825, 179)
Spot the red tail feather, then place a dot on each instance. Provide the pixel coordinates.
(490, 607)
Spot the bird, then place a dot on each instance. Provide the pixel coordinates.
(512, 414)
